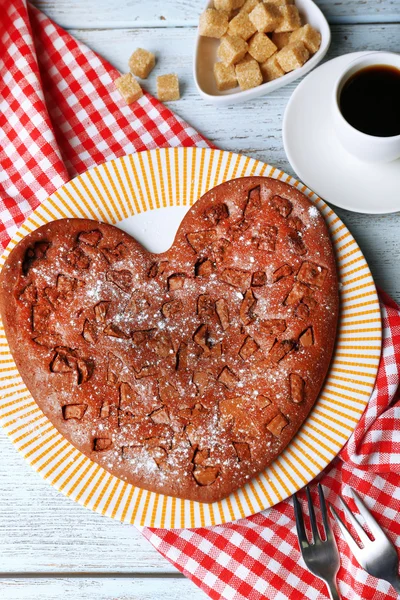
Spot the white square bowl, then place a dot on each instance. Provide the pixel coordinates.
(205, 57)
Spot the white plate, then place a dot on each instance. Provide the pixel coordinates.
(205, 57)
(319, 159)
(147, 194)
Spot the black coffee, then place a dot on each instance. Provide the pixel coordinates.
(370, 101)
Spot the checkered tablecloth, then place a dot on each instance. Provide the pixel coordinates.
(59, 116)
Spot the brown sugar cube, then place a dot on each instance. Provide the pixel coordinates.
(249, 5)
(281, 39)
(248, 73)
(270, 69)
(293, 56)
(310, 37)
(290, 19)
(265, 17)
(232, 49)
(241, 26)
(228, 5)
(213, 23)
(141, 63)
(225, 76)
(129, 88)
(168, 87)
(261, 47)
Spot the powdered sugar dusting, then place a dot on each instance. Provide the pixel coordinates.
(181, 364)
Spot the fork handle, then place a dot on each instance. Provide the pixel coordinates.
(333, 589)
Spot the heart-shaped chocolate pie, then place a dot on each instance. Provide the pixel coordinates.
(187, 372)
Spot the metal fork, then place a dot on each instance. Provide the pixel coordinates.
(320, 556)
(379, 556)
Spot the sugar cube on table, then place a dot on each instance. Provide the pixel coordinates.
(232, 49)
(310, 37)
(261, 47)
(271, 69)
(241, 26)
(228, 5)
(168, 87)
(225, 76)
(281, 39)
(290, 19)
(293, 56)
(265, 17)
(141, 63)
(249, 5)
(213, 23)
(129, 88)
(248, 73)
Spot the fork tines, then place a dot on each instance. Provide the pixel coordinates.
(374, 527)
(302, 535)
(321, 556)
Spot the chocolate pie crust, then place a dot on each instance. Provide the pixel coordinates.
(185, 373)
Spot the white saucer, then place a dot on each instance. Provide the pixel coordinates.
(319, 159)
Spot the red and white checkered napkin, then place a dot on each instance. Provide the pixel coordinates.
(60, 113)
(59, 116)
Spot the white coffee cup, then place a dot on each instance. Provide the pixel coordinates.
(368, 148)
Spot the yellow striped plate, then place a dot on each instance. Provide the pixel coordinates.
(135, 191)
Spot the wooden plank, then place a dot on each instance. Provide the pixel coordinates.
(41, 530)
(158, 13)
(100, 589)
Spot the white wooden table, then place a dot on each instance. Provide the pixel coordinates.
(51, 548)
